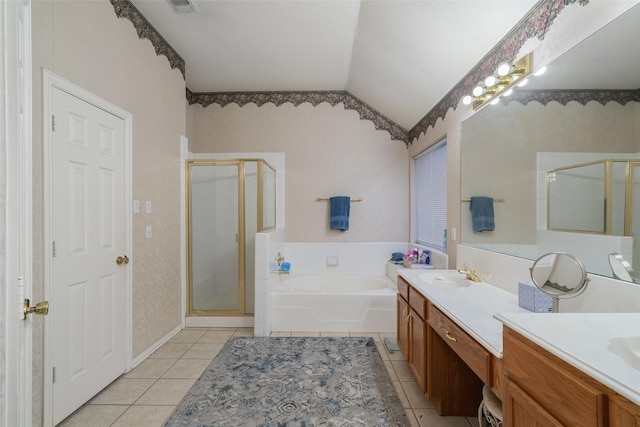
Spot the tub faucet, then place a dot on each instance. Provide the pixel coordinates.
(283, 267)
(471, 275)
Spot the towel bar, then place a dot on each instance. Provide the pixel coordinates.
(322, 199)
(495, 200)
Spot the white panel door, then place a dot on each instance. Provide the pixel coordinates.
(88, 295)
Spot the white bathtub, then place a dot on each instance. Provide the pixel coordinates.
(331, 303)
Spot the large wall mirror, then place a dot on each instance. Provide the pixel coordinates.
(563, 156)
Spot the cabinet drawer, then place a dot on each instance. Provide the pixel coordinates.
(403, 288)
(418, 303)
(565, 392)
(473, 354)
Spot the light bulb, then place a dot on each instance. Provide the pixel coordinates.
(490, 81)
(495, 101)
(504, 70)
(540, 71)
(467, 100)
(523, 83)
(508, 92)
(478, 91)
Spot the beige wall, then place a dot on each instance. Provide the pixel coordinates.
(328, 151)
(86, 43)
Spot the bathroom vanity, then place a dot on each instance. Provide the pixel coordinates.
(448, 335)
(555, 369)
(571, 369)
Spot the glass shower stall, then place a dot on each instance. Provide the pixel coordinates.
(228, 202)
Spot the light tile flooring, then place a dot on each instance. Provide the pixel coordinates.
(146, 396)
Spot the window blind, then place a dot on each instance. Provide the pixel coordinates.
(430, 192)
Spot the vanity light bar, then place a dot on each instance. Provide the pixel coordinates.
(507, 77)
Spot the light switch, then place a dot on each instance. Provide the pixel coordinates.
(333, 260)
(136, 206)
(148, 206)
(149, 232)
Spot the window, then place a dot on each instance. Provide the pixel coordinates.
(430, 192)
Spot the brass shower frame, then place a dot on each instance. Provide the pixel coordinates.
(628, 205)
(240, 236)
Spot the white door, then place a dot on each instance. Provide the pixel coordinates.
(88, 232)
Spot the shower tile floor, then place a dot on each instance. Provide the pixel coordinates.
(146, 396)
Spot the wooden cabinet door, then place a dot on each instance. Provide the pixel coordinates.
(622, 412)
(569, 394)
(418, 349)
(520, 410)
(403, 327)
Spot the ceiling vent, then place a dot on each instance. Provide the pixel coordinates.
(183, 6)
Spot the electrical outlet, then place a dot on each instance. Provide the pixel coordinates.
(149, 232)
(136, 206)
(333, 260)
(148, 206)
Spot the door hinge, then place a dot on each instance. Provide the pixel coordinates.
(53, 249)
(54, 374)
(53, 122)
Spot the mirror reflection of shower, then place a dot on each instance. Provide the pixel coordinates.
(229, 201)
(588, 197)
(597, 197)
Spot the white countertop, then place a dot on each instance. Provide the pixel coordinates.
(604, 346)
(472, 308)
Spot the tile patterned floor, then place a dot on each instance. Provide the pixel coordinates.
(146, 396)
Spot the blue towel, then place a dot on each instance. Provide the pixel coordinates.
(482, 214)
(339, 208)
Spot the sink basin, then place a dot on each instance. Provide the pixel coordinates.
(627, 348)
(446, 278)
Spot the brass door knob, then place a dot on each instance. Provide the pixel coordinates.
(122, 260)
(41, 308)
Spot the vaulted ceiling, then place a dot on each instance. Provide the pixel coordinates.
(398, 56)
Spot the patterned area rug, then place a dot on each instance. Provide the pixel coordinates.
(293, 382)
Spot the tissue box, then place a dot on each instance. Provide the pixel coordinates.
(533, 299)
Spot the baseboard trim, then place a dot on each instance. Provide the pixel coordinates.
(149, 351)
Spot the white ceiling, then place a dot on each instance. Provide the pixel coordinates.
(399, 56)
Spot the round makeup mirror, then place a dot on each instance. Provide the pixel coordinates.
(560, 275)
(621, 268)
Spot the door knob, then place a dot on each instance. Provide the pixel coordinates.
(120, 260)
(41, 308)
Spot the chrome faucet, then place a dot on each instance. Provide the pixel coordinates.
(470, 274)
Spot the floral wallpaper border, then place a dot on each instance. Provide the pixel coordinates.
(125, 9)
(535, 24)
(601, 96)
(333, 98)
